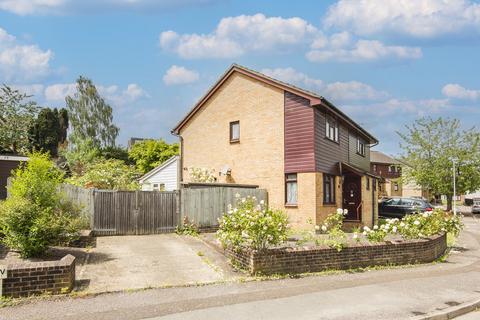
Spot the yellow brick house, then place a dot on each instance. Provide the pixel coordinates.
(310, 156)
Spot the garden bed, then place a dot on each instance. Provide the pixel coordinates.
(52, 273)
(312, 258)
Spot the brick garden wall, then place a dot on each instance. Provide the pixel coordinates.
(315, 259)
(24, 279)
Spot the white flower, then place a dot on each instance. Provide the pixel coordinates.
(345, 212)
(394, 229)
(425, 215)
(243, 199)
(262, 202)
(355, 236)
(339, 211)
(365, 228)
(324, 228)
(416, 222)
(265, 227)
(402, 224)
(364, 233)
(237, 195)
(317, 227)
(375, 227)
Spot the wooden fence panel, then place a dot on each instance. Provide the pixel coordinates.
(205, 206)
(104, 219)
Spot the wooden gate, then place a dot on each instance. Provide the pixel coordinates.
(134, 212)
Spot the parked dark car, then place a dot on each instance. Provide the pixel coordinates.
(476, 205)
(399, 207)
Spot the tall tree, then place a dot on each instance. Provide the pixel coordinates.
(17, 114)
(90, 116)
(431, 145)
(151, 153)
(49, 130)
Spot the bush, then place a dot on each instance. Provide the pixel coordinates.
(111, 174)
(187, 228)
(252, 225)
(332, 226)
(35, 215)
(30, 229)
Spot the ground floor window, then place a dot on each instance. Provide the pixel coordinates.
(395, 186)
(368, 183)
(328, 189)
(291, 188)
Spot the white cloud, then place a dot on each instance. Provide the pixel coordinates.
(235, 36)
(22, 63)
(58, 92)
(32, 7)
(292, 76)
(336, 91)
(418, 18)
(179, 75)
(133, 92)
(456, 91)
(341, 48)
(353, 90)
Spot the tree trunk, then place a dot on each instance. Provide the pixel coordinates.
(449, 202)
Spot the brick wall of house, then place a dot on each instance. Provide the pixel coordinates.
(315, 259)
(53, 277)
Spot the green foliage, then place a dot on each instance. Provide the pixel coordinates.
(429, 146)
(252, 225)
(202, 175)
(80, 155)
(90, 116)
(115, 152)
(332, 226)
(35, 215)
(149, 154)
(49, 130)
(17, 114)
(188, 228)
(37, 180)
(111, 174)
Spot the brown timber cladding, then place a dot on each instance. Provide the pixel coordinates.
(300, 260)
(328, 153)
(6, 167)
(299, 137)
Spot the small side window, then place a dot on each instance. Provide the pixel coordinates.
(360, 147)
(235, 131)
(368, 183)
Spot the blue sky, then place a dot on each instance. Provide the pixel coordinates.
(385, 63)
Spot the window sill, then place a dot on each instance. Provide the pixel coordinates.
(362, 155)
(291, 205)
(329, 204)
(337, 142)
(234, 141)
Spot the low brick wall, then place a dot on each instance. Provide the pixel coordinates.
(315, 259)
(28, 278)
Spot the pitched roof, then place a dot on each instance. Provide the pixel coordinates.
(158, 169)
(315, 99)
(380, 157)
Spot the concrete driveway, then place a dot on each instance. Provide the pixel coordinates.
(133, 262)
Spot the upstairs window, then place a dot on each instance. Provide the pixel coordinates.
(360, 147)
(331, 129)
(235, 131)
(291, 189)
(374, 168)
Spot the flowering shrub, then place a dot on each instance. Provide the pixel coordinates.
(377, 234)
(426, 224)
(251, 224)
(332, 226)
(202, 175)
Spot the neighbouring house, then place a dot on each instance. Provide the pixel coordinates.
(390, 170)
(7, 164)
(391, 184)
(309, 155)
(162, 178)
(132, 141)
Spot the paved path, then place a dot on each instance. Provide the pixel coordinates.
(383, 294)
